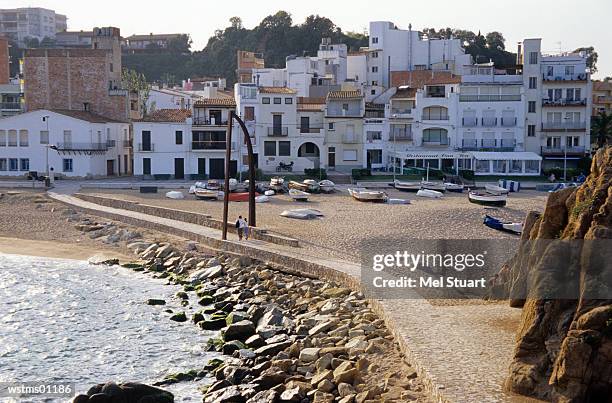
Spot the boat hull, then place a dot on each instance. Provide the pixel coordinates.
(369, 197)
(487, 200)
(206, 194)
(298, 186)
(240, 197)
(406, 187)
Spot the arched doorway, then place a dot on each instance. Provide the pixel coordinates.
(309, 150)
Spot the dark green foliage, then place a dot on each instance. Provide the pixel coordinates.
(316, 173)
(360, 173)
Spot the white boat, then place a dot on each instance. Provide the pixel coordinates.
(407, 186)
(454, 187)
(398, 201)
(269, 192)
(432, 194)
(488, 199)
(206, 194)
(277, 184)
(175, 195)
(302, 214)
(213, 184)
(438, 187)
(313, 186)
(298, 195)
(327, 186)
(496, 189)
(364, 195)
(262, 199)
(233, 184)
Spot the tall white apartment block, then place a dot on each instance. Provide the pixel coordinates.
(31, 22)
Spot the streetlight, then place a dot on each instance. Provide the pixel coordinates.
(394, 150)
(46, 120)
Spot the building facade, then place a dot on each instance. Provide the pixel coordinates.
(602, 97)
(20, 24)
(344, 130)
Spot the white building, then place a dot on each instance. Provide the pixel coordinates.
(31, 22)
(75, 144)
(558, 104)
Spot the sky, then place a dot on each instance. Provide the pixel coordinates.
(562, 24)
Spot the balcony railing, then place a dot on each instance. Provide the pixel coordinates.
(562, 126)
(488, 144)
(469, 144)
(434, 117)
(278, 131)
(127, 143)
(197, 121)
(210, 145)
(546, 150)
(400, 135)
(111, 143)
(508, 122)
(350, 139)
(469, 122)
(401, 112)
(81, 146)
(306, 130)
(566, 77)
(488, 122)
(429, 143)
(146, 147)
(489, 98)
(10, 106)
(564, 102)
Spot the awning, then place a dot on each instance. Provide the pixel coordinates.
(430, 154)
(514, 155)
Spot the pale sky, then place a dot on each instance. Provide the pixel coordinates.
(562, 24)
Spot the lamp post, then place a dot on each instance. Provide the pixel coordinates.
(565, 151)
(394, 151)
(46, 120)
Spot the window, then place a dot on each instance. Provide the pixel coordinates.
(374, 135)
(375, 39)
(374, 55)
(569, 70)
(531, 107)
(533, 83)
(265, 100)
(531, 130)
(288, 101)
(482, 166)
(375, 156)
(349, 155)
(374, 69)
(331, 126)
(270, 148)
(12, 138)
(374, 83)
(373, 92)
(3, 164)
(499, 166)
(532, 166)
(550, 71)
(577, 94)
(436, 91)
(110, 67)
(2, 138)
(67, 165)
(44, 137)
(435, 113)
(533, 57)
(249, 113)
(277, 101)
(24, 164)
(345, 107)
(13, 164)
(304, 124)
(146, 166)
(284, 148)
(572, 141)
(178, 137)
(435, 136)
(569, 94)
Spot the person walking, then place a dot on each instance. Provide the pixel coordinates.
(246, 229)
(240, 227)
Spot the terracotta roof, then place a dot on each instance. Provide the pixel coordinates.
(310, 100)
(602, 85)
(167, 115)
(276, 90)
(405, 92)
(374, 106)
(86, 116)
(344, 94)
(420, 78)
(223, 102)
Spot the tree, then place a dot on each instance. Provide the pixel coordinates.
(495, 40)
(31, 42)
(236, 22)
(136, 83)
(592, 57)
(601, 129)
(180, 45)
(47, 42)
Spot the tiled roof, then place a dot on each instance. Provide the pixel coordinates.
(306, 104)
(223, 102)
(86, 116)
(602, 85)
(404, 92)
(344, 94)
(420, 78)
(276, 90)
(374, 106)
(310, 100)
(167, 116)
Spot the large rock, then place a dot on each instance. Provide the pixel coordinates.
(239, 331)
(564, 343)
(129, 392)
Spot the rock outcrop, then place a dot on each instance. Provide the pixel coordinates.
(111, 392)
(564, 342)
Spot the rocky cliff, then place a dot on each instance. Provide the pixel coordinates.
(564, 341)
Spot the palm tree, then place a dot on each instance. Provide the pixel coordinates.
(601, 129)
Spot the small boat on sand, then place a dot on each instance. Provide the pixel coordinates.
(364, 195)
(262, 199)
(298, 195)
(407, 186)
(240, 196)
(438, 187)
(327, 186)
(277, 184)
(313, 186)
(496, 223)
(302, 214)
(488, 199)
(496, 189)
(213, 184)
(175, 195)
(432, 194)
(206, 194)
(298, 186)
(454, 187)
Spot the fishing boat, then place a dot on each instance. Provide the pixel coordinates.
(298, 195)
(277, 184)
(364, 195)
(454, 187)
(496, 189)
(327, 186)
(213, 184)
(206, 194)
(435, 186)
(432, 194)
(240, 196)
(298, 186)
(313, 186)
(488, 199)
(302, 214)
(496, 223)
(407, 186)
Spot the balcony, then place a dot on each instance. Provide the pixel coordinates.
(441, 143)
(80, 146)
(350, 139)
(488, 122)
(563, 126)
(111, 143)
(488, 145)
(508, 122)
(400, 135)
(278, 131)
(434, 117)
(146, 147)
(566, 77)
(401, 113)
(10, 106)
(117, 92)
(127, 143)
(210, 145)
(198, 121)
(310, 130)
(490, 98)
(559, 150)
(469, 122)
(564, 102)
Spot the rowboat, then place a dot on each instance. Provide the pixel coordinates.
(438, 187)
(262, 199)
(313, 186)
(175, 195)
(453, 187)
(488, 199)
(206, 194)
(496, 189)
(213, 184)
(298, 186)
(298, 195)
(327, 186)
(364, 195)
(302, 214)
(277, 184)
(432, 194)
(407, 186)
(496, 223)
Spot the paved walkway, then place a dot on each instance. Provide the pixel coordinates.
(462, 352)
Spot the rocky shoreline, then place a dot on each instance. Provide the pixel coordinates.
(286, 338)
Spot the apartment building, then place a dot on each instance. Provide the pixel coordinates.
(20, 24)
(10, 89)
(558, 104)
(74, 39)
(247, 62)
(344, 130)
(148, 42)
(67, 142)
(376, 131)
(602, 97)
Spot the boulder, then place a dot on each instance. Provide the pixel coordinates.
(239, 331)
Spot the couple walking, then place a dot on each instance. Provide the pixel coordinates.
(242, 227)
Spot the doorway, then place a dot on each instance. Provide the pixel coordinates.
(110, 167)
(179, 168)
